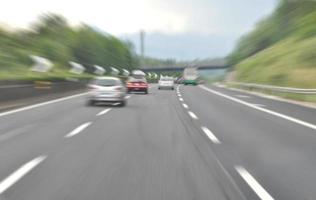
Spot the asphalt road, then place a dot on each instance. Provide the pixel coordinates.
(196, 143)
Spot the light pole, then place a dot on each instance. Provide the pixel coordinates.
(142, 48)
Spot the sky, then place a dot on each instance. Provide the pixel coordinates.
(180, 29)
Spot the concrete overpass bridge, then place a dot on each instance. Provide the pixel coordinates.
(181, 68)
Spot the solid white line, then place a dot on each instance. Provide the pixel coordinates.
(251, 181)
(292, 119)
(41, 104)
(210, 135)
(185, 106)
(192, 115)
(78, 130)
(104, 111)
(180, 99)
(300, 103)
(18, 174)
(259, 105)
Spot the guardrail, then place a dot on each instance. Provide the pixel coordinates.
(24, 90)
(252, 86)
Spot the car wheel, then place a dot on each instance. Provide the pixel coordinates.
(90, 103)
(146, 91)
(123, 103)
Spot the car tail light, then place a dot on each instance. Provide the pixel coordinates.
(136, 84)
(143, 84)
(92, 87)
(119, 88)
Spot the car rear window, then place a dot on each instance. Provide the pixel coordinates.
(166, 79)
(132, 79)
(138, 76)
(106, 82)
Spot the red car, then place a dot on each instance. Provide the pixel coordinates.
(137, 85)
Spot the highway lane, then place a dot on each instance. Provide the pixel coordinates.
(26, 134)
(278, 153)
(298, 111)
(190, 143)
(151, 149)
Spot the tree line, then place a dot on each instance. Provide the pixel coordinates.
(53, 38)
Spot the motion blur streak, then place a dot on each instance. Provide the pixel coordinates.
(78, 129)
(312, 126)
(18, 174)
(68, 130)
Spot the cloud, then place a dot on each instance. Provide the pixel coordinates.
(113, 16)
(125, 16)
(184, 46)
(181, 29)
(211, 27)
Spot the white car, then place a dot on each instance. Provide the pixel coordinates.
(166, 83)
(106, 90)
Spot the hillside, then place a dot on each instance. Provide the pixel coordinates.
(281, 50)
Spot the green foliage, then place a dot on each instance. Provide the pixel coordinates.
(281, 50)
(305, 27)
(53, 38)
(291, 18)
(291, 62)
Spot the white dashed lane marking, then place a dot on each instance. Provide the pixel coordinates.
(193, 115)
(253, 183)
(18, 174)
(185, 106)
(78, 130)
(210, 135)
(104, 111)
